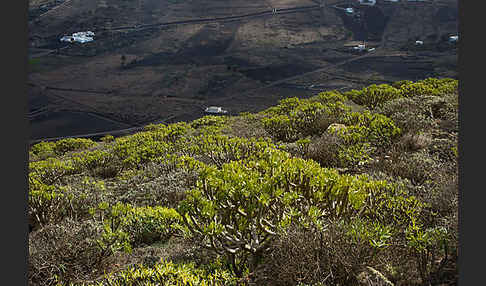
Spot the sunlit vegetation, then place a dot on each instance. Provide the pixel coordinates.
(307, 192)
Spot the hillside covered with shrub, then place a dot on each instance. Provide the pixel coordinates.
(352, 188)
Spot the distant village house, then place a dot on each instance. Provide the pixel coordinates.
(215, 110)
(367, 2)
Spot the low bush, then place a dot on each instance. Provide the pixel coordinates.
(167, 273)
(220, 149)
(50, 204)
(325, 150)
(374, 95)
(409, 114)
(414, 142)
(136, 150)
(51, 170)
(374, 128)
(63, 252)
(295, 119)
(63, 146)
(107, 138)
(43, 150)
(125, 226)
(154, 186)
(430, 87)
(209, 120)
(46, 204)
(100, 163)
(419, 167)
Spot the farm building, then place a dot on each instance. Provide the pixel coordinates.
(367, 2)
(80, 37)
(215, 110)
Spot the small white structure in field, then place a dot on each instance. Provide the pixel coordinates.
(349, 10)
(360, 47)
(80, 37)
(215, 110)
(83, 40)
(453, 39)
(367, 2)
(419, 43)
(69, 39)
(371, 49)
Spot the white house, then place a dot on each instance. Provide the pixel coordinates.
(453, 39)
(84, 34)
(69, 39)
(215, 110)
(367, 2)
(80, 37)
(360, 47)
(419, 43)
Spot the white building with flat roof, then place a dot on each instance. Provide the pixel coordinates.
(360, 47)
(80, 37)
(215, 110)
(367, 2)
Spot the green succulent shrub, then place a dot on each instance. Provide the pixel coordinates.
(427, 244)
(209, 120)
(220, 149)
(294, 119)
(63, 146)
(125, 226)
(101, 163)
(430, 87)
(354, 146)
(374, 95)
(43, 150)
(50, 204)
(51, 170)
(135, 150)
(330, 97)
(239, 209)
(107, 138)
(168, 273)
(46, 204)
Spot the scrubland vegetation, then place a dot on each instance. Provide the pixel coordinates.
(353, 188)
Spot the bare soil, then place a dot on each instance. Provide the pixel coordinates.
(175, 71)
(67, 123)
